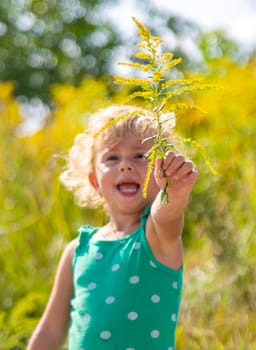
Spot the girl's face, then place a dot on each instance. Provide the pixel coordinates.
(119, 176)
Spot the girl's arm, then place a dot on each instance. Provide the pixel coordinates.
(51, 330)
(165, 224)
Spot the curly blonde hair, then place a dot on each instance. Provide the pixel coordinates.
(106, 127)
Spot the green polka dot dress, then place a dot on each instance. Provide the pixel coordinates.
(124, 299)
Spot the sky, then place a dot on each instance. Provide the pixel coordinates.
(236, 17)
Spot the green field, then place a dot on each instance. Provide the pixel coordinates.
(38, 216)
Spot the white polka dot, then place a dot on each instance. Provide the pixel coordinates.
(129, 349)
(170, 348)
(132, 315)
(115, 267)
(87, 317)
(152, 264)
(105, 335)
(174, 317)
(155, 333)
(175, 285)
(99, 256)
(155, 298)
(137, 245)
(92, 285)
(110, 300)
(134, 279)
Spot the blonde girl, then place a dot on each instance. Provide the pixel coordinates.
(118, 287)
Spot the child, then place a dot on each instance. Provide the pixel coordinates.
(118, 287)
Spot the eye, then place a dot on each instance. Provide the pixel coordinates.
(139, 156)
(112, 157)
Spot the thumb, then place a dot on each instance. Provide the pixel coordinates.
(159, 171)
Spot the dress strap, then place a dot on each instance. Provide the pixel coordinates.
(84, 234)
(145, 215)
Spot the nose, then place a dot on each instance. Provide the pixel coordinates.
(126, 166)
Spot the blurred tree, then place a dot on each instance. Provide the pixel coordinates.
(49, 41)
(44, 42)
(216, 43)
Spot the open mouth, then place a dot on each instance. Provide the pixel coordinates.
(128, 188)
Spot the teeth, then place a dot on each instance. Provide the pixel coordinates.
(128, 188)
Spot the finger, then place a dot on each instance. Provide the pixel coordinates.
(168, 157)
(173, 163)
(190, 178)
(186, 168)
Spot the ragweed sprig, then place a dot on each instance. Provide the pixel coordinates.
(158, 92)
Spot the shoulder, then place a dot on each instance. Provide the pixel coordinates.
(69, 252)
(71, 246)
(64, 275)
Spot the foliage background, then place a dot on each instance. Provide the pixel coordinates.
(38, 217)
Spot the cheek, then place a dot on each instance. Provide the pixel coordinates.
(153, 183)
(100, 170)
(104, 174)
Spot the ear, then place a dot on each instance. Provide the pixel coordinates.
(93, 181)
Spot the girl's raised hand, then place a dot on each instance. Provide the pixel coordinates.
(178, 171)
